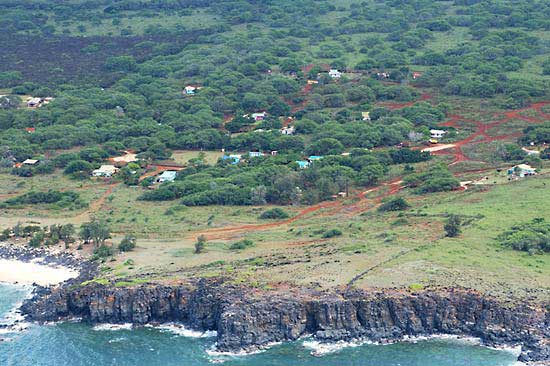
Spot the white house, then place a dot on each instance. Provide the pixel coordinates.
(366, 116)
(437, 134)
(167, 176)
(190, 90)
(334, 73)
(34, 102)
(30, 162)
(260, 116)
(288, 130)
(105, 171)
(255, 154)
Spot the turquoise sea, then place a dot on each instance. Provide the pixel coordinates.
(79, 344)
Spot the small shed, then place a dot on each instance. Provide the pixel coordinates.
(259, 116)
(437, 134)
(190, 90)
(313, 158)
(288, 130)
(302, 164)
(105, 171)
(30, 162)
(167, 176)
(522, 170)
(235, 159)
(34, 102)
(366, 116)
(334, 73)
(255, 154)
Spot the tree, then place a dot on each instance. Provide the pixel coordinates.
(452, 226)
(95, 231)
(394, 204)
(200, 245)
(326, 146)
(127, 244)
(78, 166)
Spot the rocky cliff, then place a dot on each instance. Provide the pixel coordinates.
(246, 319)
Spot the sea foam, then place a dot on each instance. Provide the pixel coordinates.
(181, 330)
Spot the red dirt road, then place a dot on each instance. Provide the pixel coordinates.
(480, 135)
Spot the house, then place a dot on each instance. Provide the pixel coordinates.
(34, 102)
(313, 158)
(334, 73)
(383, 75)
(312, 82)
(30, 129)
(30, 162)
(437, 134)
(190, 90)
(522, 170)
(105, 171)
(302, 164)
(366, 116)
(167, 176)
(288, 130)
(260, 116)
(433, 141)
(274, 153)
(235, 159)
(47, 100)
(255, 154)
(416, 75)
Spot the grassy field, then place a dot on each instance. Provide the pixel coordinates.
(390, 250)
(183, 156)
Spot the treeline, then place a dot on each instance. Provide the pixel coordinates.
(67, 199)
(279, 179)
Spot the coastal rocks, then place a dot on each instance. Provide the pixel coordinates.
(247, 319)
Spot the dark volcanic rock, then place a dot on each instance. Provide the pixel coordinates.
(246, 319)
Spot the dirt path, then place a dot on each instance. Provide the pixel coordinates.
(363, 204)
(481, 135)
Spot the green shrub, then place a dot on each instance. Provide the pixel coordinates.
(242, 244)
(127, 244)
(532, 237)
(332, 233)
(103, 252)
(274, 213)
(394, 204)
(452, 226)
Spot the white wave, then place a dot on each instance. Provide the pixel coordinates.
(117, 340)
(319, 348)
(451, 337)
(514, 350)
(181, 330)
(223, 356)
(112, 327)
(13, 320)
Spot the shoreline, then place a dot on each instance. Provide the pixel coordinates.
(13, 271)
(41, 267)
(246, 321)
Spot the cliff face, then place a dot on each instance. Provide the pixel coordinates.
(246, 320)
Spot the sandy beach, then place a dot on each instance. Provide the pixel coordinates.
(27, 273)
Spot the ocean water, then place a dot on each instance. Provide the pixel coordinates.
(79, 344)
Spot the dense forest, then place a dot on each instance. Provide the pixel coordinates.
(116, 71)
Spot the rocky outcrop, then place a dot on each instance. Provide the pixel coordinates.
(248, 319)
